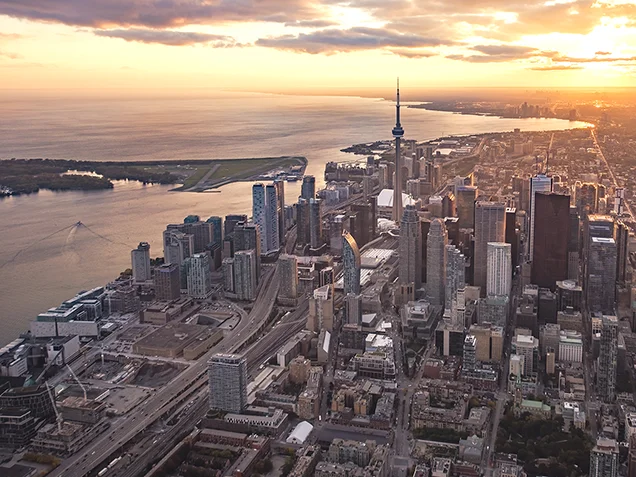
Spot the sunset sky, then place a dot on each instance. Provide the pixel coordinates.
(279, 44)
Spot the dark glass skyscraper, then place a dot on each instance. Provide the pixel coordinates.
(551, 234)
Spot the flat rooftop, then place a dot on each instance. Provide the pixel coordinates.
(170, 335)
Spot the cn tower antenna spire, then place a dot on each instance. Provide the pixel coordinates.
(398, 102)
(397, 132)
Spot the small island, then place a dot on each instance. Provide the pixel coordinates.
(27, 176)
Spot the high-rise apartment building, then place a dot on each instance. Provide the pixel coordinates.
(248, 237)
(303, 234)
(490, 226)
(539, 183)
(315, 223)
(604, 458)
(265, 215)
(217, 229)
(608, 360)
(177, 246)
(272, 204)
(167, 282)
(228, 274)
(245, 276)
(351, 264)
(279, 185)
(321, 310)
(551, 236)
(199, 281)
(227, 381)
(528, 347)
(308, 188)
(231, 221)
(499, 269)
(288, 266)
(140, 258)
(469, 362)
(410, 248)
(436, 262)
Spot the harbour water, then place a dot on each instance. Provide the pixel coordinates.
(44, 259)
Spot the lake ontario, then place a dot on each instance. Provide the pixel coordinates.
(45, 260)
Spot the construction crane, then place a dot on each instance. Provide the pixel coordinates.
(78, 382)
(58, 416)
(48, 365)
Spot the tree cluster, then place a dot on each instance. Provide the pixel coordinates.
(543, 446)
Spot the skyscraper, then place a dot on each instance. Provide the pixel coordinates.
(308, 188)
(621, 236)
(259, 213)
(489, 227)
(315, 223)
(279, 185)
(410, 248)
(436, 262)
(167, 281)
(245, 276)
(398, 132)
(303, 236)
(600, 283)
(288, 276)
(248, 237)
(574, 244)
(513, 234)
(227, 380)
(608, 360)
(551, 234)
(586, 197)
(455, 276)
(273, 237)
(499, 269)
(140, 258)
(265, 215)
(465, 197)
(351, 264)
(198, 275)
(367, 221)
(539, 183)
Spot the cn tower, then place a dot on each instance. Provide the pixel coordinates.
(398, 132)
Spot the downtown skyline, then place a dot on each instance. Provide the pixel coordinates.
(280, 45)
